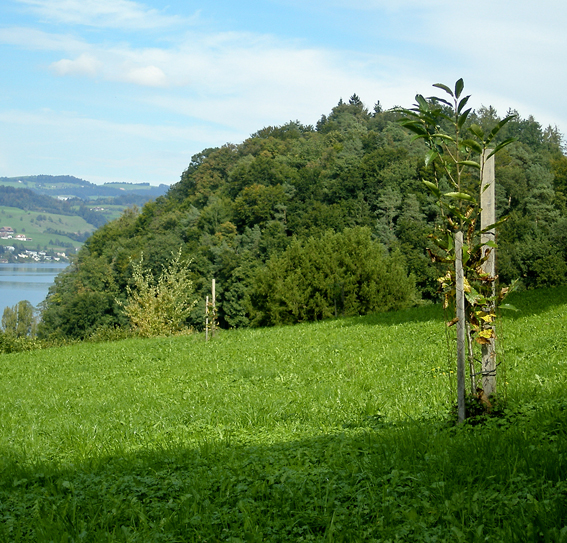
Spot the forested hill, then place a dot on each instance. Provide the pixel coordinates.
(301, 222)
(31, 201)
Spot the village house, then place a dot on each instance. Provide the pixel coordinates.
(6, 232)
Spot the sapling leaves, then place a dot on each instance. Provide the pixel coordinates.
(463, 117)
(477, 131)
(457, 149)
(459, 86)
(470, 163)
(462, 104)
(430, 157)
(460, 196)
(444, 87)
(497, 129)
(433, 188)
(501, 146)
(494, 225)
(443, 101)
(422, 102)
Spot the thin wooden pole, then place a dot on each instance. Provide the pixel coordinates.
(488, 217)
(214, 307)
(207, 319)
(461, 325)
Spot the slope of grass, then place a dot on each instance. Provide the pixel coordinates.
(27, 222)
(333, 431)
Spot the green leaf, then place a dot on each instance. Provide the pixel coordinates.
(498, 127)
(444, 87)
(443, 137)
(433, 188)
(466, 255)
(472, 145)
(508, 306)
(442, 100)
(422, 102)
(501, 146)
(450, 243)
(453, 209)
(492, 244)
(463, 103)
(459, 86)
(463, 117)
(460, 196)
(470, 163)
(477, 131)
(430, 157)
(491, 226)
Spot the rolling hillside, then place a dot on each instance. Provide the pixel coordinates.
(43, 231)
(332, 431)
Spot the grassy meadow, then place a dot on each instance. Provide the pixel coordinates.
(27, 222)
(332, 431)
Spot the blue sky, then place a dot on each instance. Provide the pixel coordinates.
(119, 90)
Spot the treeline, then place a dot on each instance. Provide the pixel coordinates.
(55, 185)
(299, 223)
(28, 200)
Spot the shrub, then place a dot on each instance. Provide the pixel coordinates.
(346, 273)
(159, 307)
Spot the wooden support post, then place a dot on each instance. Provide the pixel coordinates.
(461, 325)
(488, 217)
(214, 309)
(207, 319)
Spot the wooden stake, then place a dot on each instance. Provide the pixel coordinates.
(214, 309)
(461, 325)
(207, 319)
(488, 217)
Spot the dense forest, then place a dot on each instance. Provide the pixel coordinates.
(301, 223)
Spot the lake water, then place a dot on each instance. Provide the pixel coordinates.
(26, 282)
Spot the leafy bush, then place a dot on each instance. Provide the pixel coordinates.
(159, 307)
(346, 273)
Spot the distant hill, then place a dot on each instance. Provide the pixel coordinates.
(67, 186)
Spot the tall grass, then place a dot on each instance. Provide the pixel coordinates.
(332, 431)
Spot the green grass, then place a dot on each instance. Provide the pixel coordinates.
(333, 431)
(26, 222)
(111, 211)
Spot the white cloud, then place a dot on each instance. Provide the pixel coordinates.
(101, 150)
(29, 38)
(124, 14)
(230, 84)
(84, 65)
(149, 76)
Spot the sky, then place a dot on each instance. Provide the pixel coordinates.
(127, 91)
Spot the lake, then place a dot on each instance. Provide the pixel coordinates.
(26, 282)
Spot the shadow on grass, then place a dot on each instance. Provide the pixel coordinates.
(527, 303)
(425, 313)
(534, 302)
(419, 478)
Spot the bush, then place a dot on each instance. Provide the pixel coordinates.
(159, 307)
(346, 273)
